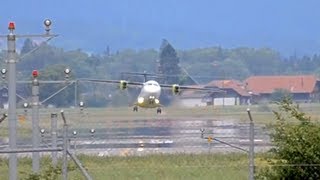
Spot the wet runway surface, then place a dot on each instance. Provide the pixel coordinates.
(138, 137)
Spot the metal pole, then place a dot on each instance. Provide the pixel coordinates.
(12, 115)
(75, 141)
(65, 149)
(54, 138)
(28, 150)
(78, 163)
(35, 125)
(251, 149)
(3, 117)
(75, 93)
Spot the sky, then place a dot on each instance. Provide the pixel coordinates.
(288, 26)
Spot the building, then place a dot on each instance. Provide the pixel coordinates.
(232, 93)
(191, 98)
(303, 88)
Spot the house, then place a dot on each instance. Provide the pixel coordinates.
(232, 93)
(192, 98)
(303, 88)
(235, 93)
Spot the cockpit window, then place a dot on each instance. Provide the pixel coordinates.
(152, 84)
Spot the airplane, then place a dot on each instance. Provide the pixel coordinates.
(150, 91)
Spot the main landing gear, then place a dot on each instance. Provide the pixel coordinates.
(159, 111)
(135, 109)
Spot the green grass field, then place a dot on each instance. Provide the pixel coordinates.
(180, 166)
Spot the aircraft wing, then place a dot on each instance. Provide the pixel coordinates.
(176, 88)
(111, 81)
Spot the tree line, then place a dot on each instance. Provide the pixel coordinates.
(202, 64)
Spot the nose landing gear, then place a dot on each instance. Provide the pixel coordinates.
(135, 108)
(159, 111)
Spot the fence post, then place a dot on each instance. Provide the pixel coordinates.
(54, 138)
(251, 149)
(65, 148)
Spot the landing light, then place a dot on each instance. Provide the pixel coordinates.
(156, 101)
(140, 100)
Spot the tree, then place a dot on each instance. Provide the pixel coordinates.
(296, 149)
(169, 66)
(28, 45)
(55, 72)
(232, 69)
(44, 56)
(169, 63)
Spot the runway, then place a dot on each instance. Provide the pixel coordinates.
(147, 136)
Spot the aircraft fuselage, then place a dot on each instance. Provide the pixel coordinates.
(149, 95)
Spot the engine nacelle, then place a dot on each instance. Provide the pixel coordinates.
(123, 84)
(175, 89)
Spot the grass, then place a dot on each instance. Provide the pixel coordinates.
(179, 166)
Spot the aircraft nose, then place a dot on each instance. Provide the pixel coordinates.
(152, 89)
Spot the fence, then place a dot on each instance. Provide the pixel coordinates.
(203, 141)
(119, 132)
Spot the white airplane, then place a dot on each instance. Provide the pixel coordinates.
(150, 91)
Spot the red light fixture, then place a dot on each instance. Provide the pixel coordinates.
(35, 73)
(11, 26)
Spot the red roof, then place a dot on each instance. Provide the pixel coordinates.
(294, 84)
(230, 84)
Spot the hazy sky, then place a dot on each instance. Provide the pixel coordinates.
(285, 25)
